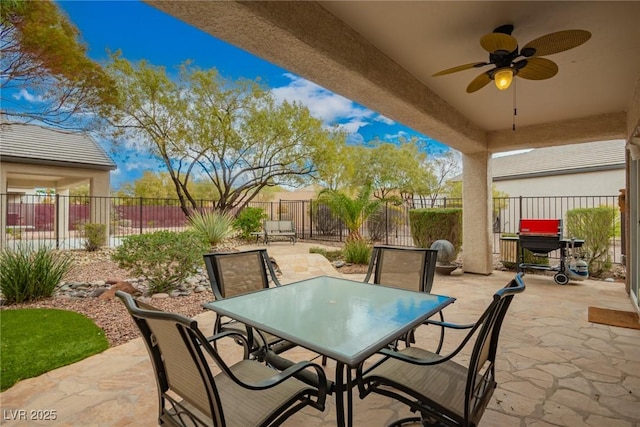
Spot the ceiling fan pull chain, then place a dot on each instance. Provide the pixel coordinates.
(515, 110)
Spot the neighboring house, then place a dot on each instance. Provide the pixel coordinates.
(590, 169)
(35, 157)
(576, 174)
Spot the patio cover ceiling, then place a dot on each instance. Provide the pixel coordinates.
(382, 55)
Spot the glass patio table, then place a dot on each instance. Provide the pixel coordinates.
(342, 319)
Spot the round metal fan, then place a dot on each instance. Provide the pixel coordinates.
(526, 63)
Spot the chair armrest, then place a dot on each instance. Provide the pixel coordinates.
(282, 364)
(236, 335)
(291, 371)
(448, 324)
(296, 370)
(274, 380)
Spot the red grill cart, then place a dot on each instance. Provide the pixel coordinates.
(543, 236)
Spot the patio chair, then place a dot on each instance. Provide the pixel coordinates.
(405, 268)
(440, 389)
(246, 393)
(400, 267)
(239, 273)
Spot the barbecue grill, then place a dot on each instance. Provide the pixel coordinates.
(543, 236)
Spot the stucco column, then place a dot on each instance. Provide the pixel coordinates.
(477, 242)
(100, 202)
(62, 219)
(3, 207)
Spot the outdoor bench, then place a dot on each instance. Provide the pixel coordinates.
(279, 230)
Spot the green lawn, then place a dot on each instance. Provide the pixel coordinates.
(35, 341)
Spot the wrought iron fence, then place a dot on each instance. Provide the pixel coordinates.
(57, 221)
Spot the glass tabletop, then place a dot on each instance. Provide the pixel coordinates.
(343, 319)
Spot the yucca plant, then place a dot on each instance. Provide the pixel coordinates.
(28, 274)
(214, 226)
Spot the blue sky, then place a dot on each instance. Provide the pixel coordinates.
(142, 32)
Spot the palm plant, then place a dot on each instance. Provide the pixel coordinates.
(352, 211)
(215, 226)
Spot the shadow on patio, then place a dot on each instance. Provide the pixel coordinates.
(554, 367)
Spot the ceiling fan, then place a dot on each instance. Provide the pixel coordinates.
(526, 63)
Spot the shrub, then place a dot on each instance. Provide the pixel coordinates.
(95, 235)
(330, 255)
(595, 226)
(324, 221)
(213, 226)
(429, 225)
(249, 220)
(165, 259)
(15, 233)
(357, 252)
(384, 222)
(27, 274)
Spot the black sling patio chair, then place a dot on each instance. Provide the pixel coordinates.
(443, 391)
(239, 273)
(405, 268)
(244, 394)
(401, 267)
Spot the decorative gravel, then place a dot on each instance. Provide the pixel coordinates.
(110, 314)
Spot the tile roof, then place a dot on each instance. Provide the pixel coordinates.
(561, 160)
(27, 143)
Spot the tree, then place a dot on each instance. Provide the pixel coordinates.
(352, 211)
(443, 168)
(43, 60)
(231, 132)
(149, 185)
(158, 185)
(396, 169)
(341, 165)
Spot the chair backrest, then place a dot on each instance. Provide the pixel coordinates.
(238, 273)
(286, 226)
(481, 363)
(282, 226)
(174, 344)
(400, 267)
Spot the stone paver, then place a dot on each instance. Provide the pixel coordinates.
(554, 368)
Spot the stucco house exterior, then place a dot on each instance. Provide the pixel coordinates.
(589, 169)
(33, 157)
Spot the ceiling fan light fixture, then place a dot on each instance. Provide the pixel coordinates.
(503, 78)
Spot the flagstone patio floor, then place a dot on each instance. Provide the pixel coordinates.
(554, 368)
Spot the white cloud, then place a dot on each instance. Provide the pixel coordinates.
(27, 96)
(396, 136)
(385, 120)
(327, 106)
(352, 126)
(132, 166)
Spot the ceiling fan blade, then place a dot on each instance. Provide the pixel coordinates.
(498, 42)
(460, 68)
(557, 42)
(538, 69)
(479, 82)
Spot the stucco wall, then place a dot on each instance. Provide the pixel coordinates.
(601, 183)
